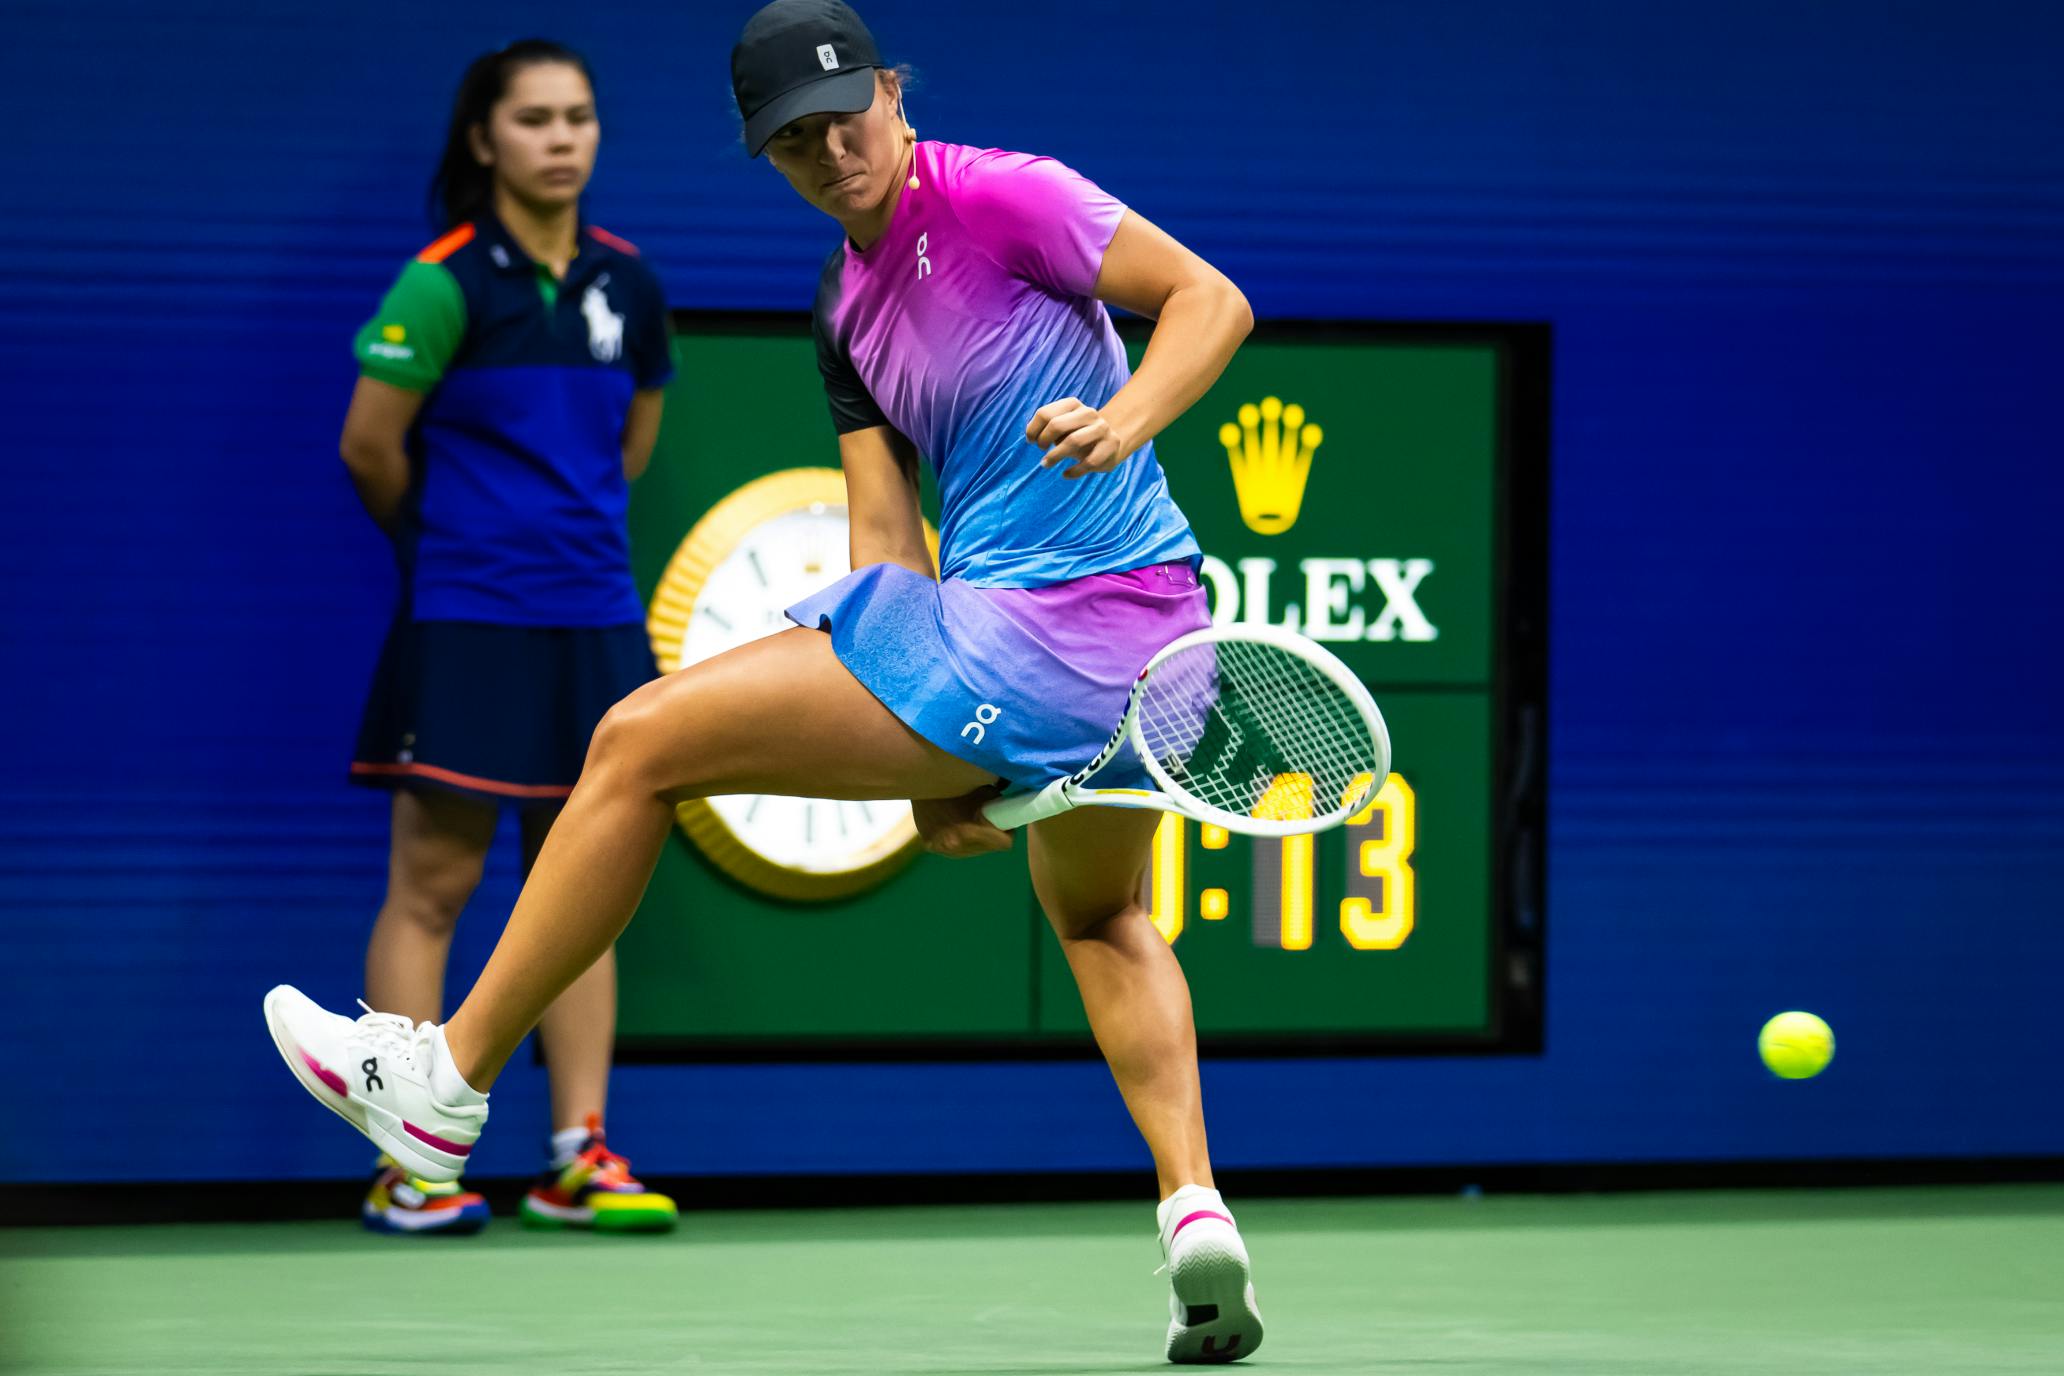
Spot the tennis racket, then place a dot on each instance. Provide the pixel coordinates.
(1251, 727)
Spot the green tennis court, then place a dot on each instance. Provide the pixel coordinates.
(1942, 1281)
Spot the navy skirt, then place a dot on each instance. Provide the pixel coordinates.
(502, 713)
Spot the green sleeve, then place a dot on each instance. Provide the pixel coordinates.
(417, 330)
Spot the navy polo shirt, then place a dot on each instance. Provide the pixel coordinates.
(518, 497)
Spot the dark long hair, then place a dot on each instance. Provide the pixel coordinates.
(462, 188)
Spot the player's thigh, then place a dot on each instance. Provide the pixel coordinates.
(779, 715)
(1087, 864)
(438, 847)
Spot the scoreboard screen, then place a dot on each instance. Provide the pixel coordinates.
(1381, 489)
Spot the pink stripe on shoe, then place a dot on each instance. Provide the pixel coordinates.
(434, 1140)
(1192, 1218)
(325, 1074)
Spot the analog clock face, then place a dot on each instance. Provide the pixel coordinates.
(774, 563)
(816, 835)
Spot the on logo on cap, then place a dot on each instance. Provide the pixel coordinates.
(827, 57)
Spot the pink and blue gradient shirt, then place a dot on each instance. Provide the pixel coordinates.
(974, 310)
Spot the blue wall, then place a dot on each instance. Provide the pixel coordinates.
(1803, 264)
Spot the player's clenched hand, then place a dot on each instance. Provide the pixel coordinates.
(955, 826)
(1079, 435)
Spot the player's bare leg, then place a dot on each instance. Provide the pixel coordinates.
(1086, 870)
(579, 1029)
(780, 715)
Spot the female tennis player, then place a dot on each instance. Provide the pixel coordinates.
(508, 392)
(963, 320)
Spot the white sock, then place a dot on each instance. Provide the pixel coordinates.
(567, 1144)
(446, 1084)
(1188, 1200)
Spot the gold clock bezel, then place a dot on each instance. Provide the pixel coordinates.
(704, 547)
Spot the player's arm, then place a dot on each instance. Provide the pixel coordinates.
(375, 446)
(888, 528)
(641, 431)
(881, 499)
(1200, 316)
(880, 462)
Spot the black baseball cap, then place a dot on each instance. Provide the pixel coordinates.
(797, 58)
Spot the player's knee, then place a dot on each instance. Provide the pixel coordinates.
(626, 742)
(1096, 922)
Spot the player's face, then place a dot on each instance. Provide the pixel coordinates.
(541, 135)
(845, 165)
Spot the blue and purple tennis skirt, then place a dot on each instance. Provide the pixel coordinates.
(1027, 683)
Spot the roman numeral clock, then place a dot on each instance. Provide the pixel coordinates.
(760, 550)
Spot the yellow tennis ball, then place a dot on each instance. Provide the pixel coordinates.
(1796, 1046)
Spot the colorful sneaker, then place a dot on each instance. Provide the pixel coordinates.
(374, 1073)
(596, 1190)
(1212, 1316)
(399, 1203)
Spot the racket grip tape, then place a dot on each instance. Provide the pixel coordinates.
(1022, 809)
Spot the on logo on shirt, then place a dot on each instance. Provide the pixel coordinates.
(924, 264)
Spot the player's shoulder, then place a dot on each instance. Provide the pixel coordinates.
(957, 159)
(962, 167)
(1000, 192)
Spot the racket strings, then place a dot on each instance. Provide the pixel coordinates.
(1230, 720)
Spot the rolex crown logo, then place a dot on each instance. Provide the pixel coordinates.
(1271, 453)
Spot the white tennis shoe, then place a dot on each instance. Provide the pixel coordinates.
(374, 1073)
(1212, 1314)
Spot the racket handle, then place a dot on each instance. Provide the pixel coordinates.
(1023, 809)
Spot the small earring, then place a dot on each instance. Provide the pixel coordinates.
(909, 137)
